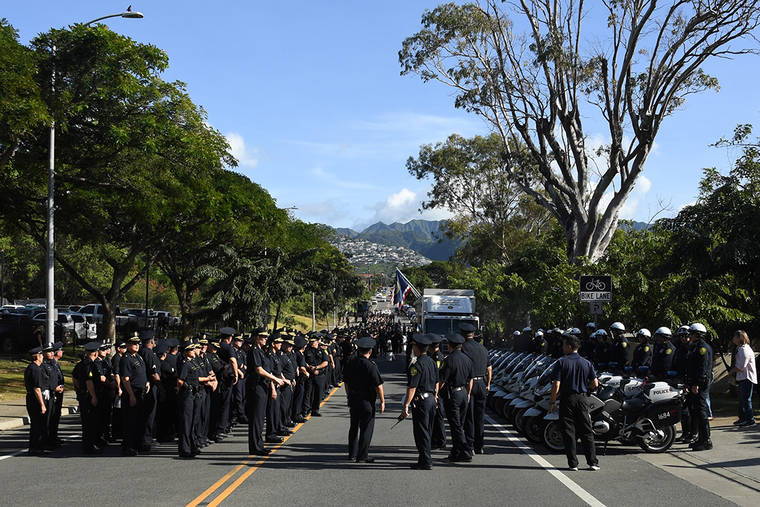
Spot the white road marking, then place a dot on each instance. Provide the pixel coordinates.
(12, 455)
(564, 479)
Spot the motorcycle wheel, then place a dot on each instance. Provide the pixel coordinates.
(498, 405)
(517, 418)
(507, 411)
(658, 441)
(533, 428)
(553, 436)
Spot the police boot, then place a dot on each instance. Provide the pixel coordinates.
(702, 446)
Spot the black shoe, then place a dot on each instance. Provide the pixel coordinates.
(316, 414)
(419, 466)
(92, 450)
(478, 451)
(273, 439)
(195, 452)
(284, 433)
(686, 438)
(441, 447)
(748, 422)
(263, 452)
(351, 458)
(185, 455)
(38, 452)
(702, 446)
(299, 420)
(145, 449)
(290, 424)
(128, 452)
(365, 460)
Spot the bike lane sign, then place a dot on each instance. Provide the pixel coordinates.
(596, 288)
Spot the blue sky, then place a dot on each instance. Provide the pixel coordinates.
(310, 97)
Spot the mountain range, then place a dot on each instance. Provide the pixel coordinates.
(423, 236)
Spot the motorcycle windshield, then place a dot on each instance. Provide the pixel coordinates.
(546, 375)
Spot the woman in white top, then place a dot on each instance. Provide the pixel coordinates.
(746, 377)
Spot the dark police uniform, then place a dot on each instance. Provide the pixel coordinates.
(89, 372)
(117, 415)
(315, 357)
(288, 368)
(574, 373)
(680, 360)
(273, 404)
(256, 398)
(699, 373)
(423, 375)
(55, 417)
(35, 378)
(150, 401)
(238, 390)
(456, 374)
(362, 379)
(167, 409)
(438, 438)
(204, 400)
(642, 356)
(106, 400)
(300, 399)
(52, 383)
(474, 426)
(133, 428)
(188, 408)
(619, 353)
(224, 389)
(662, 359)
(216, 398)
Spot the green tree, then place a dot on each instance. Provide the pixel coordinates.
(537, 89)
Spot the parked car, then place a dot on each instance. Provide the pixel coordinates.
(95, 311)
(85, 330)
(16, 333)
(64, 326)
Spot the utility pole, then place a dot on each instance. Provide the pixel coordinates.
(313, 314)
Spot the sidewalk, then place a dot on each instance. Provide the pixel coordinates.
(731, 469)
(13, 413)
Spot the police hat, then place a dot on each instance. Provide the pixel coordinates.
(92, 346)
(277, 339)
(121, 345)
(35, 351)
(203, 341)
(173, 342)
(216, 345)
(134, 339)
(435, 338)
(48, 348)
(105, 346)
(227, 331)
(455, 338)
(188, 346)
(161, 348)
(466, 327)
(366, 342)
(421, 339)
(299, 341)
(57, 346)
(289, 341)
(147, 335)
(238, 337)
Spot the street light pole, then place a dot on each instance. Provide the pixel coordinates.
(51, 316)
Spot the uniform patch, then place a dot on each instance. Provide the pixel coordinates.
(668, 352)
(646, 348)
(89, 374)
(702, 351)
(413, 371)
(624, 345)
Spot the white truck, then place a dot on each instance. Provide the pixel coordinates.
(441, 311)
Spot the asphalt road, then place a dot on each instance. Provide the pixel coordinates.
(310, 468)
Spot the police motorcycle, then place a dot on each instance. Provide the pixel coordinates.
(500, 371)
(505, 378)
(531, 422)
(520, 396)
(644, 414)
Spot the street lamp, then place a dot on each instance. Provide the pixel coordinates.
(50, 285)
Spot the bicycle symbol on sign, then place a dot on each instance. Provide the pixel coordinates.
(596, 285)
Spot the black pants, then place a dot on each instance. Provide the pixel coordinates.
(474, 425)
(150, 405)
(223, 417)
(36, 424)
(422, 421)
(438, 438)
(238, 401)
(456, 411)
(361, 428)
(286, 405)
(90, 417)
(201, 425)
(256, 408)
(700, 424)
(308, 387)
(167, 415)
(576, 423)
(132, 425)
(317, 389)
(273, 413)
(186, 413)
(298, 397)
(55, 418)
(105, 413)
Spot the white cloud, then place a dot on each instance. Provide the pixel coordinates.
(401, 206)
(245, 155)
(643, 184)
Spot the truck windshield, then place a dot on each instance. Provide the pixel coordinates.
(438, 326)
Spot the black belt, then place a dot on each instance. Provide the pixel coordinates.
(424, 395)
(478, 378)
(457, 389)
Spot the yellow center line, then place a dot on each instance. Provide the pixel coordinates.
(232, 487)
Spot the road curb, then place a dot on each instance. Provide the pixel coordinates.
(12, 423)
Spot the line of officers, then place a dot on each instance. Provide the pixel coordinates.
(687, 356)
(194, 392)
(453, 387)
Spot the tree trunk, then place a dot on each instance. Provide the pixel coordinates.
(107, 331)
(277, 315)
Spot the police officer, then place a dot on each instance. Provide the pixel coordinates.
(134, 385)
(572, 377)
(619, 352)
(642, 354)
(204, 395)
(35, 382)
(421, 391)
(217, 399)
(189, 382)
(90, 381)
(454, 387)
(699, 376)
(588, 342)
(680, 362)
(260, 384)
(57, 381)
(167, 408)
(662, 354)
(602, 350)
(107, 395)
(117, 417)
(481, 370)
(150, 401)
(228, 379)
(363, 385)
(48, 352)
(438, 438)
(289, 373)
(316, 364)
(238, 390)
(303, 380)
(274, 432)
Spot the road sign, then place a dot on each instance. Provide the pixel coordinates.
(595, 307)
(596, 288)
